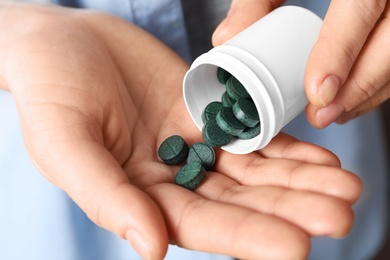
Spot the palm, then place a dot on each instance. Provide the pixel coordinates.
(93, 123)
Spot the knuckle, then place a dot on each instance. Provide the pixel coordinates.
(381, 96)
(363, 90)
(372, 103)
(386, 92)
(349, 53)
(371, 9)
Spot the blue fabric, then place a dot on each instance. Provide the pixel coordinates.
(162, 18)
(38, 221)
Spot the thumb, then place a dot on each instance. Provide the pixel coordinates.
(341, 39)
(242, 13)
(92, 177)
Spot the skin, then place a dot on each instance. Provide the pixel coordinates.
(348, 71)
(97, 95)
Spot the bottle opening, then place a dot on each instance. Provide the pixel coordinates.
(201, 87)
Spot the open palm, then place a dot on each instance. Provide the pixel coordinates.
(96, 96)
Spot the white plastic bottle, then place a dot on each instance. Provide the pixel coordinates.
(269, 59)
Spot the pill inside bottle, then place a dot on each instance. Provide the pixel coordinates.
(269, 60)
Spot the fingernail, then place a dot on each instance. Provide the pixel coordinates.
(139, 244)
(327, 115)
(329, 89)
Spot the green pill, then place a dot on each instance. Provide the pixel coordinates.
(191, 175)
(226, 100)
(250, 132)
(214, 136)
(211, 111)
(203, 153)
(173, 150)
(246, 112)
(223, 75)
(236, 90)
(228, 122)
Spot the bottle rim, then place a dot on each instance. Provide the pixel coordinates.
(201, 86)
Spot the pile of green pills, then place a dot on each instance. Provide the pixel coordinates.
(200, 158)
(236, 116)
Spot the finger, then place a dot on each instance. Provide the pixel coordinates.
(369, 74)
(199, 224)
(113, 203)
(316, 214)
(326, 114)
(93, 179)
(242, 13)
(290, 174)
(371, 70)
(382, 95)
(287, 147)
(321, 117)
(345, 29)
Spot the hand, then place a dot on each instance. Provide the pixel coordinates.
(348, 71)
(96, 96)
